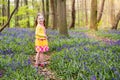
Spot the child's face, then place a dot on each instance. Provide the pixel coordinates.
(40, 19)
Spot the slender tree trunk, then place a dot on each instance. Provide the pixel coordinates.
(62, 22)
(72, 25)
(78, 12)
(17, 4)
(116, 21)
(101, 11)
(8, 12)
(112, 11)
(3, 12)
(16, 17)
(47, 13)
(27, 14)
(86, 13)
(93, 16)
(43, 7)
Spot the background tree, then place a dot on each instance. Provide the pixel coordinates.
(27, 14)
(93, 16)
(72, 25)
(116, 21)
(8, 12)
(112, 11)
(47, 14)
(101, 11)
(17, 4)
(86, 13)
(54, 13)
(62, 22)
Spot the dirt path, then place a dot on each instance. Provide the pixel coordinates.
(105, 40)
(46, 72)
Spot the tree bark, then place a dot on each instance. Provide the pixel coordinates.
(17, 4)
(27, 14)
(112, 12)
(62, 22)
(54, 13)
(72, 25)
(47, 13)
(43, 7)
(86, 13)
(16, 17)
(3, 12)
(8, 12)
(116, 21)
(93, 16)
(101, 11)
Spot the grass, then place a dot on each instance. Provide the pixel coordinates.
(76, 57)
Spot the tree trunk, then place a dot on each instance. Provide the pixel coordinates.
(43, 7)
(16, 17)
(72, 25)
(8, 12)
(54, 13)
(112, 12)
(27, 14)
(62, 22)
(116, 21)
(78, 9)
(17, 4)
(93, 16)
(86, 13)
(3, 12)
(101, 11)
(47, 13)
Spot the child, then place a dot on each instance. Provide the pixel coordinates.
(41, 42)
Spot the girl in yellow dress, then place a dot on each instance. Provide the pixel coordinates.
(41, 42)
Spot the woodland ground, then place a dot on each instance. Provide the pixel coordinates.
(83, 55)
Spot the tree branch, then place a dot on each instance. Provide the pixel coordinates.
(17, 4)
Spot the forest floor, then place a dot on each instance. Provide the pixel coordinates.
(48, 74)
(103, 39)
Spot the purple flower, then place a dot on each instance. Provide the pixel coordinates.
(29, 62)
(93, 77)
(86, 49)
(0, 74)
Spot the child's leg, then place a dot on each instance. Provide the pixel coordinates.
(37, 59)
(41, 57)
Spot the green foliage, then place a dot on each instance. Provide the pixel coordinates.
(76, 57)
(3, 18)
(111, 34)
(100, 23)
(23, 23)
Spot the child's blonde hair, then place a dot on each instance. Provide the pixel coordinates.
(39, 14)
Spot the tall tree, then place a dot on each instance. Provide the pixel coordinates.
(17, 4)
(27, 14)
(72, 25)
(8, 12)
(112, 11)
(116, 21)
(16, 17)
(86, 13)
(43, 6)
(93, 16)
(101, 11)
(62, 21)
(54, 13)
(3, 11)
(47, 13)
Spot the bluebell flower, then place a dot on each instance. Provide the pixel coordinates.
(93, 77)
(0, 74)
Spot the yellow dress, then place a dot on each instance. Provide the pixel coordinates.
(41, 42)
